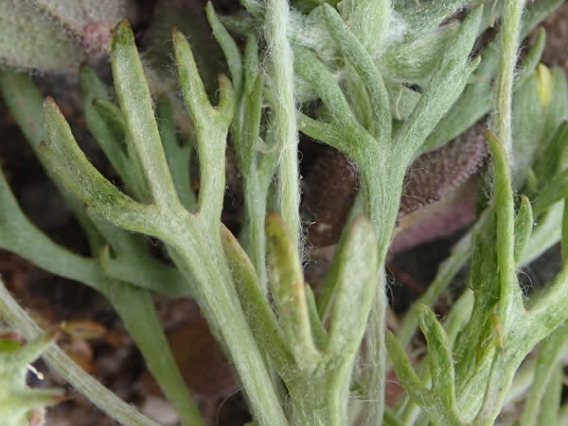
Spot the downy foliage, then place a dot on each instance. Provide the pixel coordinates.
(382, 82)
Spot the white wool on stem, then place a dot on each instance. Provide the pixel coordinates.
(282, 70)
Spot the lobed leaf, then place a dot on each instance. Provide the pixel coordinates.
(64, 158)
(359, 58)
(443, 90)
(136, 104)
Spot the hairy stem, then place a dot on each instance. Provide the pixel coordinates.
(282, 60)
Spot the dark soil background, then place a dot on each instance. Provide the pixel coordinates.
(102, 345)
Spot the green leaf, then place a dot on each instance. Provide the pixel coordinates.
(415, 61)
(404, 371)
(211, 126)
(229, 46)
(551, 157)
(195, 96)
(555, 191)
(532, 58)
(255, 305)
(64, 158)
(368, 20)
(359, 58)
(136, 104)
(549, 354)
(177, 155)
(345, 126)
(564, 237)
(439, 358)
(354, 276)
(287, 284)
(17, 401)
(523, 228)
(445, 87)
(483, 280)
(104, 119)
(510, 294)
(539, 107)
(318, 330)
(426, 17)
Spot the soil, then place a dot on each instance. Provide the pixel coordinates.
(106, 351)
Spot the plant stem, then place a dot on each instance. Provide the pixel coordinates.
(509, 46)
(282, 61)
(218, 298)
(317, 402)
(376, 356)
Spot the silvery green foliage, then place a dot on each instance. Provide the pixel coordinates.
(368, 20)
(50, 35)
(19, 404)
(403, 51)
(252, 292)
(540, 105)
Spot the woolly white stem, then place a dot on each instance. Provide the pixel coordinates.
(509, 47)
(277, 17)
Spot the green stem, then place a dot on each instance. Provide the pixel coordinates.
(277, 15)
(376, 356)
(317, 402)
(509, 46)
(219, 300)
(510, 297)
